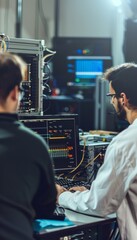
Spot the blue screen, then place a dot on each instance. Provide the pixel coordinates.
(82, 71)
(88, 68)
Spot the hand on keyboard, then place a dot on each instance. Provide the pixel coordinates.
(77, 188)
(60, 189)
(70, 183)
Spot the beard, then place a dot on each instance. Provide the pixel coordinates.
(121, 113)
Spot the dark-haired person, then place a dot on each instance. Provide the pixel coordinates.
(27, 187)
(115, 187)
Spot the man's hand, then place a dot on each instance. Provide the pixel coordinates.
(78, 188)
(60, 190)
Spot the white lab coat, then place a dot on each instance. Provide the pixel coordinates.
(115, 188)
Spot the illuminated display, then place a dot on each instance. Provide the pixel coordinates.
(61, 134)
(80, 60)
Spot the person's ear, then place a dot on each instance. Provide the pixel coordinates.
(123, 98)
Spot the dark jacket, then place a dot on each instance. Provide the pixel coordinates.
(27, 187)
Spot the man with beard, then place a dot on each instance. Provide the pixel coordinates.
(115, 188)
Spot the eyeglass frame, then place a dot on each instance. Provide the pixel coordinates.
(112, 95)
(22, 92)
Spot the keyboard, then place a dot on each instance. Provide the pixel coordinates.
(68, 183)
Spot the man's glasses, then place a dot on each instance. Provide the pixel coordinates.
(22, 93)
(111, 95)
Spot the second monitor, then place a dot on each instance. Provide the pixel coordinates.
(80, 60)
(61, 134)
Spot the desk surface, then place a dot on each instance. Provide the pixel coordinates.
(81, 222)
(84, 219)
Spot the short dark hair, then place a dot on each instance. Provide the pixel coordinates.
(123, 78)
(12, 70)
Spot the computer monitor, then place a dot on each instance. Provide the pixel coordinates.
(82, 71)
(80, 60)
(61, 134)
